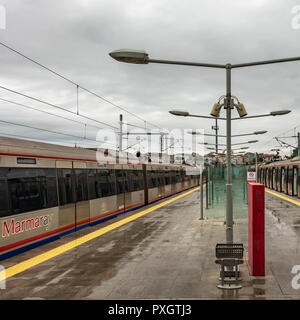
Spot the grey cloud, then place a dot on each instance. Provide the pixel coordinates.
(75, 37)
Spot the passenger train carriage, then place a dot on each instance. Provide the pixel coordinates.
(47, 191)
(282, 176)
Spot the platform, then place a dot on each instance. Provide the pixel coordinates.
(166, 253)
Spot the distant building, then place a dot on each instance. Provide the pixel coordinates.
(210, 158)
(249, 158)
(268, 157)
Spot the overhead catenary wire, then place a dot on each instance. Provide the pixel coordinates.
(47, 112)
(292, 129)
(75, 84)
(52, 114)
(56, 115)
(54, 132)
(55, 106)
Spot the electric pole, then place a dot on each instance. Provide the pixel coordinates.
(121, 132)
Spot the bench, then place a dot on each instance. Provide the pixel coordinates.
(229, 255)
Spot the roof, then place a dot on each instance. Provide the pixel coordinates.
(28, 148)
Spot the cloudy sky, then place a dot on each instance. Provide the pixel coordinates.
(74, 39)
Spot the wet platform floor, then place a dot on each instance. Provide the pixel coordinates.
(166, 254)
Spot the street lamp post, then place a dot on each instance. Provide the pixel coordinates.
(229, 200)
(141, 57)
(216, 128)
(121, 132)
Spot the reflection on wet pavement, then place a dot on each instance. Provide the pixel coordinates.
(166, 254)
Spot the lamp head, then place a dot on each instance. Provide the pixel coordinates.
(279, 112)
(130, 56)
(193, 132)
(215, 112)
(179, 113)
(241, 110)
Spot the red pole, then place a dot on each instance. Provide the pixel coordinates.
(256, 228)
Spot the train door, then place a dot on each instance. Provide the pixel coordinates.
(278, 179)
(152, 183)
(161, 182)
(270, 177)
(295, 181)
(66, 194)
(74, 209)
(274, 179)
(178, 180)
(173, 180)
(134, 183)
(127, 186)
(121, 187)
(282, 188)
(286, 179)
(167, 180)
(290, 180)
(82, 204)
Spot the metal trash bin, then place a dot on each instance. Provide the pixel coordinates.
(229, 255)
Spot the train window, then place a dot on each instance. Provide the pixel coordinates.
(120, 181)
(178, 176)
(92, 183)
(31, 189)
(81, 185)
(127, 183)
(26, 161)
(112, 181)
(135, 178)
(50, 175)
(140, 179)
(173, 176)
(106, 183)
(161, 178)
(167, 177)
(149, 179)
(137, 182)
(65, 186)
(152, 179)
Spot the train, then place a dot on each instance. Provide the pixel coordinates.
(49, 190)
(282, 176)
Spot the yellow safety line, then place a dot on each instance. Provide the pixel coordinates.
(283, 197)
(22, 266)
